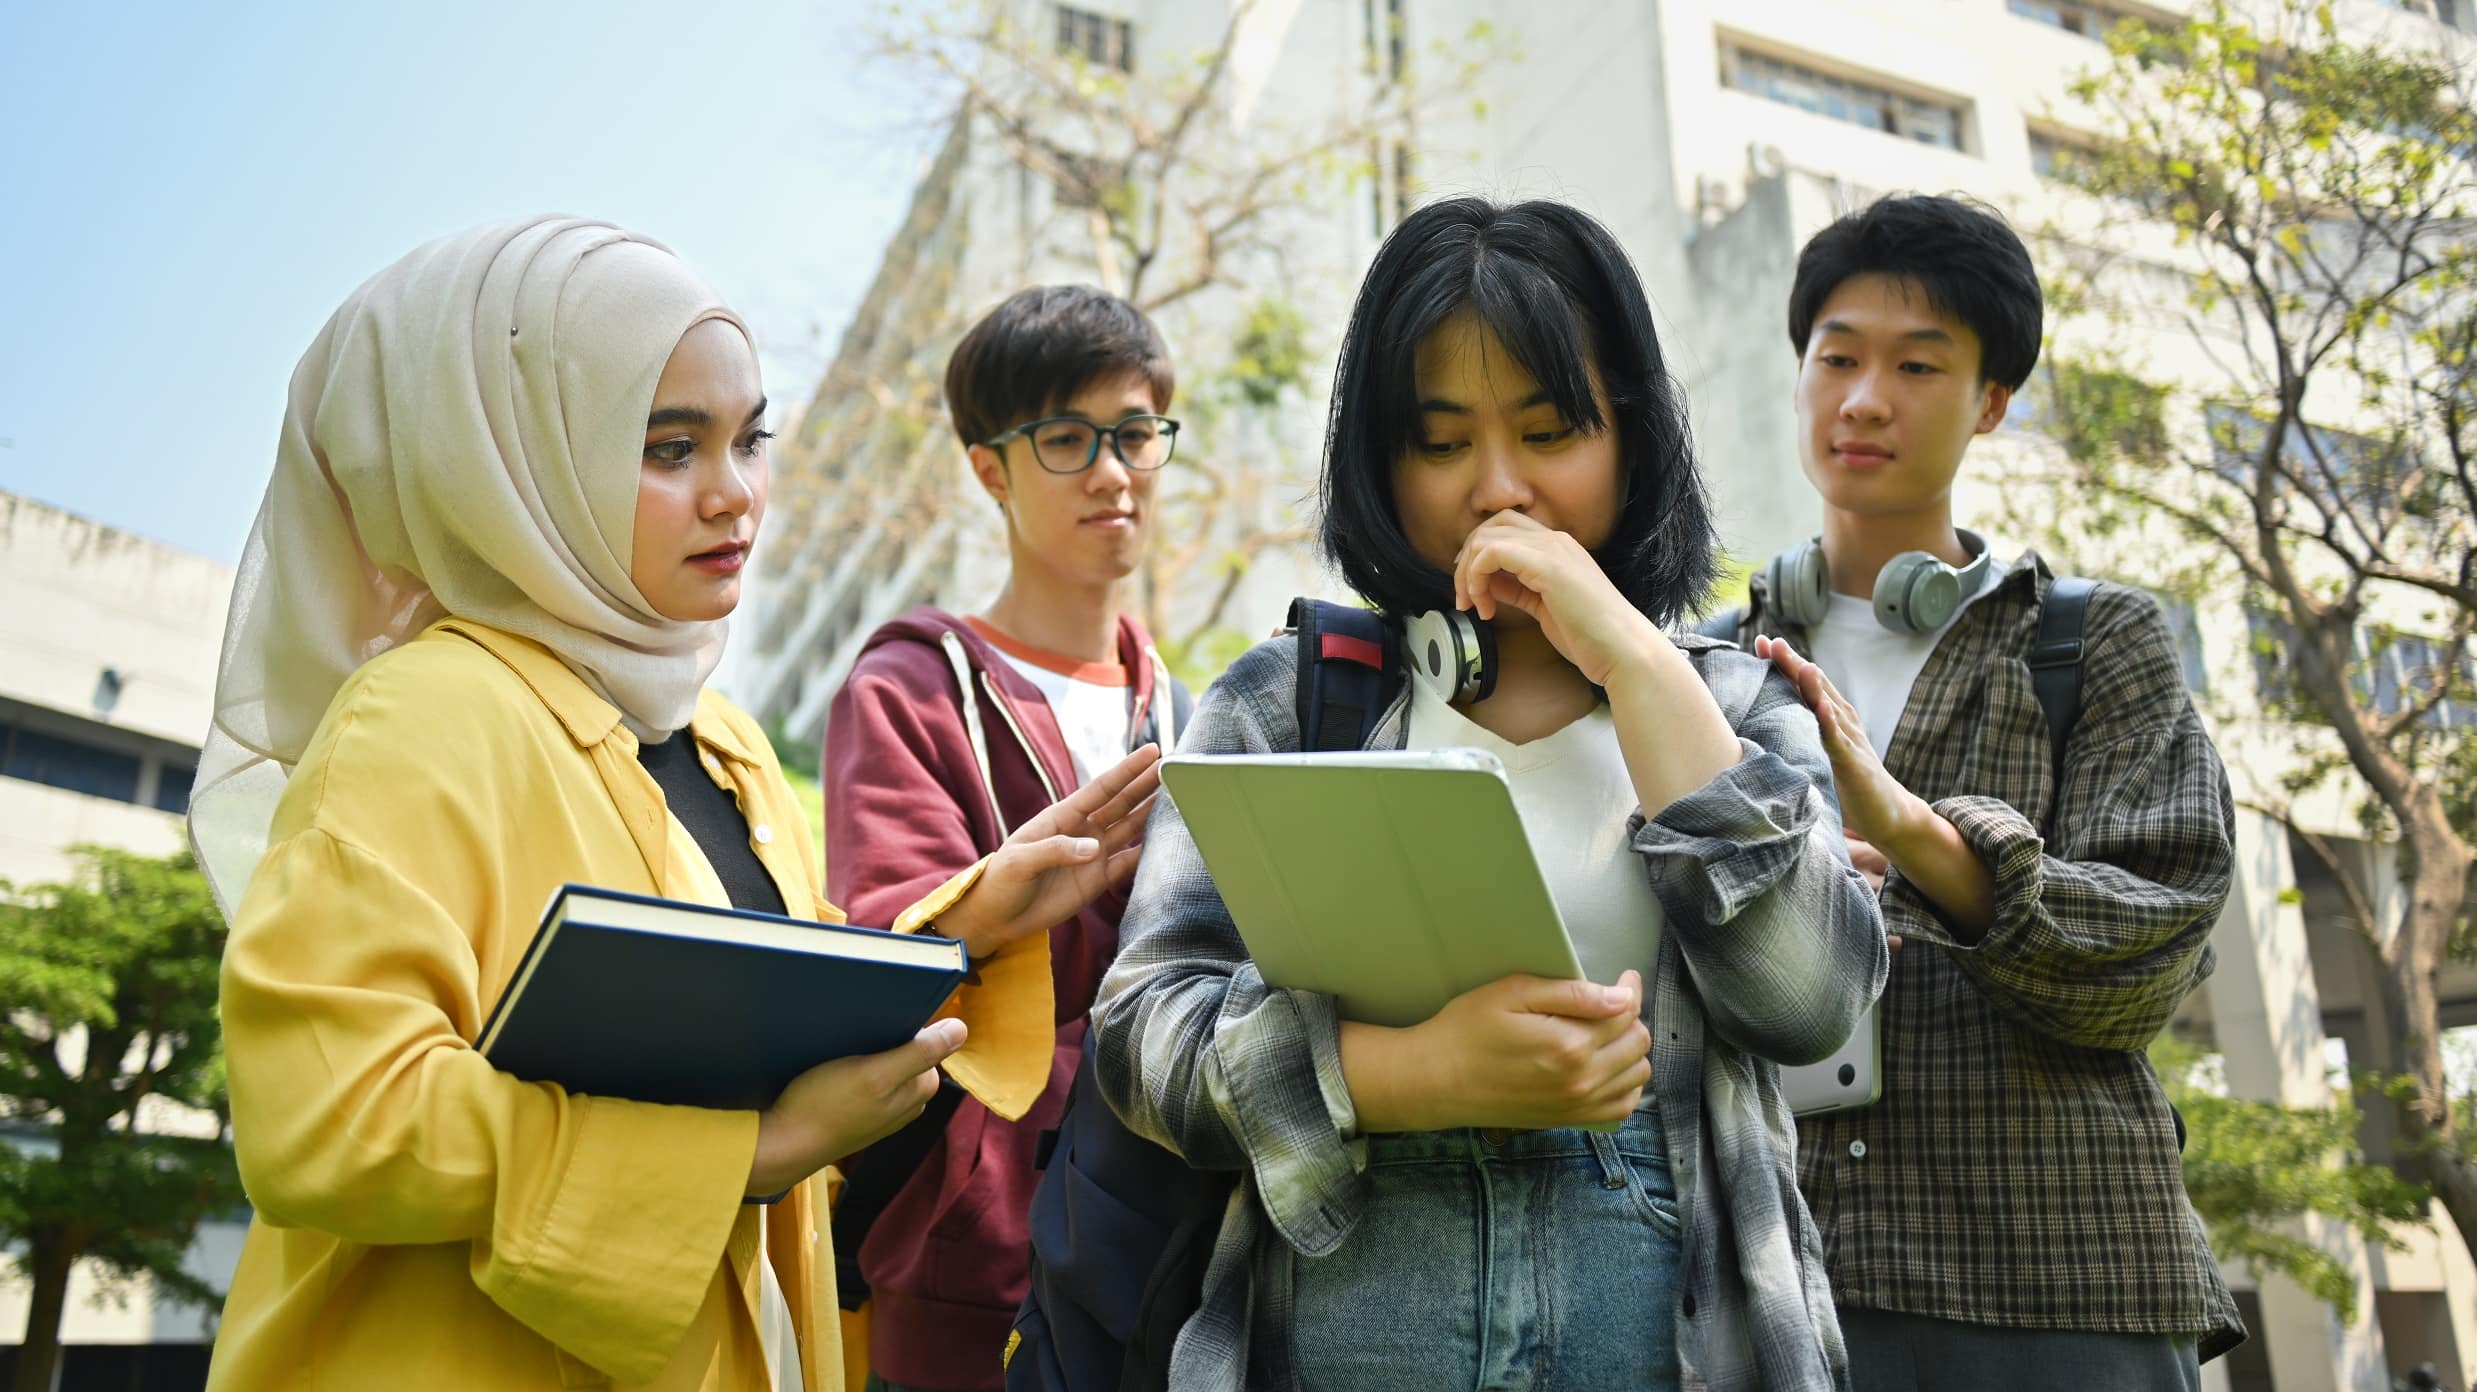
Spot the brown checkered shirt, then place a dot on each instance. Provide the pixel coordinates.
(2021, 1168)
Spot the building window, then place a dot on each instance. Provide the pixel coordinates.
(1101, 40)
(66, 763)
(1384, 34)
(2083, 17)
(2389, 671)
(1841, 99)
(2332, 467)
(1389, 184)
(2054, 157)
(2185, 624)
(2448, 12)
(172, 783)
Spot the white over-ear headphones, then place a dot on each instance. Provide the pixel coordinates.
(1915, 592)
(1452, 654)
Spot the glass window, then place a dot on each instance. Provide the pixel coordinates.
(2331, 467)
(172, 785)
(65, 763)
(2052, 158)
(1099, 38)
(1841, 99)
(2087, 18)
(2186, 626)
(2389, 671)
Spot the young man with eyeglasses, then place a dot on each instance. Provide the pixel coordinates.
(951, 731)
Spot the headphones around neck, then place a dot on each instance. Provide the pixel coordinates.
(1452, 654)
(1915, 592)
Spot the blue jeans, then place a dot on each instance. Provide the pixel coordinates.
(1487, 1259)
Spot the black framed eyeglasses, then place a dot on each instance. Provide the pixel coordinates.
(1071, 444)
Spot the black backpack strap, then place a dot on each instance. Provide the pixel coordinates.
(2055, 661)
(872, 1178)
(1346, 665)
(1182, 708)
(1723, 625)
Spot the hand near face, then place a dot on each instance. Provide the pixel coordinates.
(1514, 561)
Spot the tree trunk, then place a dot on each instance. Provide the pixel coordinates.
(2437, 891)
(2455, 1186)
(48, 1260)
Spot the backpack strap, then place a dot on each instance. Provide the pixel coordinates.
(1166, 713)
(2055, 661)
(1346, 671)
(1723, 625)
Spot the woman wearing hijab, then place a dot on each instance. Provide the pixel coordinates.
(519, 476)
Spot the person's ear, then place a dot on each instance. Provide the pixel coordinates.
(989, 466)
(1991, 414)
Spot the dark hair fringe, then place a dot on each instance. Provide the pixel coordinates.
(1032, 354)
(1959, 252)
(1556, 289)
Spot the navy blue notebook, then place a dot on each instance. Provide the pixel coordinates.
(659, 1001)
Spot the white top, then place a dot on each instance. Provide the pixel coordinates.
(1093, 701)
(1875, 667)
(1575, 798)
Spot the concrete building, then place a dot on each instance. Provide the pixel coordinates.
(108, 645)
(1713, 138)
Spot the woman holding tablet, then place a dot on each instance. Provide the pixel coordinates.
(518, 479)
(1423, 1206)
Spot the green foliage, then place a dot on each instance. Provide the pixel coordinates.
(1199, 658)
(119, 965)
(2325, 191)
(1269, 352)
(812, 798)
(2254, 1168)
(2101, 414)
(804, 758)
(1732, 584)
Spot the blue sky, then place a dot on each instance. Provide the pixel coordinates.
(192, 189)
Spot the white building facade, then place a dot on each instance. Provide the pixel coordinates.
(108, 645)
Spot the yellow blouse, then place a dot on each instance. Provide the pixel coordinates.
(425, 1221)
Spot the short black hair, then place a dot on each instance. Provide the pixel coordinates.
(1554, 287)
(1959, 252)
(1030, 356)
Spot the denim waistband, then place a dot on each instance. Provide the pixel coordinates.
(1640, 1136)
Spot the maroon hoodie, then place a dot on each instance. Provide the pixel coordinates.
(907, 805)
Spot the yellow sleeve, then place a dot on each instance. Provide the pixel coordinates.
(1010, 1010)
(358, 1110)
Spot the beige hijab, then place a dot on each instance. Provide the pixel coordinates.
(462, 438)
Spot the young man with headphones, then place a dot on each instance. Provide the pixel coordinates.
(2011, 1212)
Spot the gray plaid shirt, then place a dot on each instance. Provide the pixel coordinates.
(1772, 949)
(2021, 1168)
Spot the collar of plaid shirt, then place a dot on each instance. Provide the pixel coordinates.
(2021, 1169)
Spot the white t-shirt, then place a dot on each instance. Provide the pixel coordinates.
(1575, 797)
(1872, 665)
(1093, 701)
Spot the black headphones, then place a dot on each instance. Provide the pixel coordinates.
(1452, 654)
